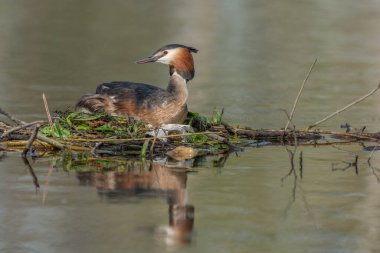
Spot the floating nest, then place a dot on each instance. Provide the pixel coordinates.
(104, 135)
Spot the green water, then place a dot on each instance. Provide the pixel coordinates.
(252, 60)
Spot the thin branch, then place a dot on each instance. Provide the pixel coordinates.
(344, 108)
(152, 146)
(299, 94)
(52, 142)
(232, 147)
(25, 125)
(93, 150)
(11, 117)
(289, 120)
(371, 154)
(4, 125)
(32, 138)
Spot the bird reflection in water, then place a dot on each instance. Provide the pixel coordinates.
(160, 180)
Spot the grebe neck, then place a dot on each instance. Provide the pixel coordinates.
(177, 86)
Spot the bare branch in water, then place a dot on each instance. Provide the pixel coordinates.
(93, 150)
(344, 108)
(32, 138)
(21, 127)
(299, 94)
(11, 117)
(289, 120)
(22, 124)
(52, 142)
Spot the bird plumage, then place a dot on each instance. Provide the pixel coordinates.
(146, 102)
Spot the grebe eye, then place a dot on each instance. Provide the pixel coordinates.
(165, 52)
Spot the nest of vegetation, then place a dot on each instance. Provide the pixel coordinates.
(104, 135)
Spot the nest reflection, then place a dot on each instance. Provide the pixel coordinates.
(159, 180)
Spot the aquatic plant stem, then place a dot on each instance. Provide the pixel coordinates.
(144, 148)
(344, 108)
(299, 94)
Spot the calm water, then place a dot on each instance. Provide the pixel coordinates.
(253, 57)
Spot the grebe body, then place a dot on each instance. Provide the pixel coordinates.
(145, 102)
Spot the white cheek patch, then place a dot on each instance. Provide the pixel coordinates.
(168, 57)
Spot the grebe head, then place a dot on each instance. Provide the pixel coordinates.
(177, 56)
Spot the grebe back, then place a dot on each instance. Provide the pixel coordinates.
(146, 102)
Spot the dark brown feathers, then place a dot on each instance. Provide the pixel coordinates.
(172, 46)
(95, 103)
(139, 101)
(146, 102)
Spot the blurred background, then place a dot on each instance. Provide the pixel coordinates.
(252, 60)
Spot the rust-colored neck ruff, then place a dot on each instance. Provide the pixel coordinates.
(183, 64)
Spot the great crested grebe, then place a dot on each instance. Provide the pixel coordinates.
(146, 102)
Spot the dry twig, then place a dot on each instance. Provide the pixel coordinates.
(21, 127)
(41, 137)
(31, 140)
(344, 108)
(11, 117)
(299, 94)
(93, 150)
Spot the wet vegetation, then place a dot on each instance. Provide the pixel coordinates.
(104, 135)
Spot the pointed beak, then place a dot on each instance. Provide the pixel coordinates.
(151, 58)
